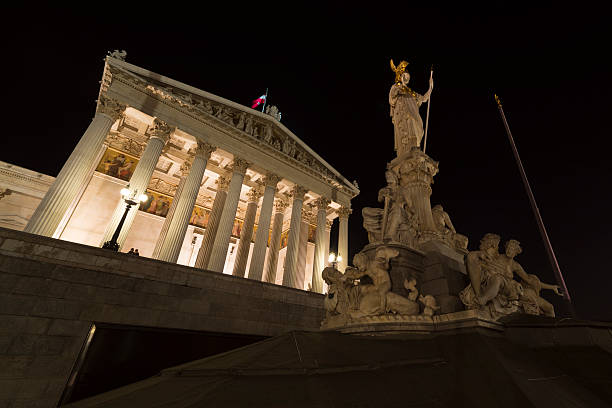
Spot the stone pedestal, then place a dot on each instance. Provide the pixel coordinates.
(439, 271)
(416, 171)
(444, 275)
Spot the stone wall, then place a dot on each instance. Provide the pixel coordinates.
(51, 292)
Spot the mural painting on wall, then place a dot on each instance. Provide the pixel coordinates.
(117, 164)
(157, 204)
(199, 217)
(237, 228)
(284, 239)
(312, 229)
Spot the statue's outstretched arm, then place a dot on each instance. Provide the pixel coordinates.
(518, 269)
(554, 288)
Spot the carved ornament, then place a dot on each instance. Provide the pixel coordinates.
(110, 107)
(280, 205)
(271, 180)
(222, 183)
(298, 192)
(240, 165)
(160, 130)
(204, 150)
(344, 212)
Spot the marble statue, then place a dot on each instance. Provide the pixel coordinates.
(395, 222)
(273, 111)
(248, 125)
(446, 229)
(241, 119)
(492, 286)
(120, 55)
(404, 104)
(349, 298)
(430, 303)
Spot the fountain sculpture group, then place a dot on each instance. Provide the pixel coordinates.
(416, 264)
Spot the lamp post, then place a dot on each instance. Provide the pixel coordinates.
(333, 259)
(130, 198)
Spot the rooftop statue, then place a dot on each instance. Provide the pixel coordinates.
(404, 104)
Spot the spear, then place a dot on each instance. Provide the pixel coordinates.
(549, 249)
(427, 117)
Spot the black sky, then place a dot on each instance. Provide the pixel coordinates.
(328, 72)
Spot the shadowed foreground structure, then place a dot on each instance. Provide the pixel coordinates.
(534, 362)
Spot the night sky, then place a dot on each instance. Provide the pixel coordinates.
(327, 69)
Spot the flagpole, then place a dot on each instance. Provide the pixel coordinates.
(427, 117)
(549, 249)
(265, 100)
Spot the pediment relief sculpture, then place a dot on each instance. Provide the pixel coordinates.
(264, 132)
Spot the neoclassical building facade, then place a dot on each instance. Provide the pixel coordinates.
(229, 189)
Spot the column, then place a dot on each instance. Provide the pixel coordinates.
(328, 226)
(68, 214)
(343, 214)
(303, 248)
(160, 133)
(226, 222)
(263, 228)
(277, 228)
(290, 267)
(183, 172)
(242, 253)
(213, 224)
(74, 175)
(175, 236)
(320, 255)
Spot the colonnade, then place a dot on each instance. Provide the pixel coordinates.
(74, 176)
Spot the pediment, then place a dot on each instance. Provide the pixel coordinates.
(253, 126)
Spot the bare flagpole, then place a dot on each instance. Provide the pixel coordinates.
(549, 249)
(427, 117)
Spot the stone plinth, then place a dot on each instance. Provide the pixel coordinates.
(444, 275)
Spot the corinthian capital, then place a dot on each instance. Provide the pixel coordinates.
(280, 205)
(160, 130)
(204, 150)
(222, 183)
(240, 165)
(298, 192)
(110, 107)
(254, 195)
(322, 202)
(271, 180)
(344, 212)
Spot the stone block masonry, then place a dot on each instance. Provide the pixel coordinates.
(52, 291)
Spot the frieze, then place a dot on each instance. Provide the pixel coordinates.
(125, 144)
(162, 186)
(263, 135)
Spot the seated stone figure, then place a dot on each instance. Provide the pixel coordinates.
(446, 229)
(395, 222)
(491, 285)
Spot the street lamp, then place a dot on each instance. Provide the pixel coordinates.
(130, 198)
(333, 259)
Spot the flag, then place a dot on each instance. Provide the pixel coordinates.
(258, 101)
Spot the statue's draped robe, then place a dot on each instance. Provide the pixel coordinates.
(406, 118)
